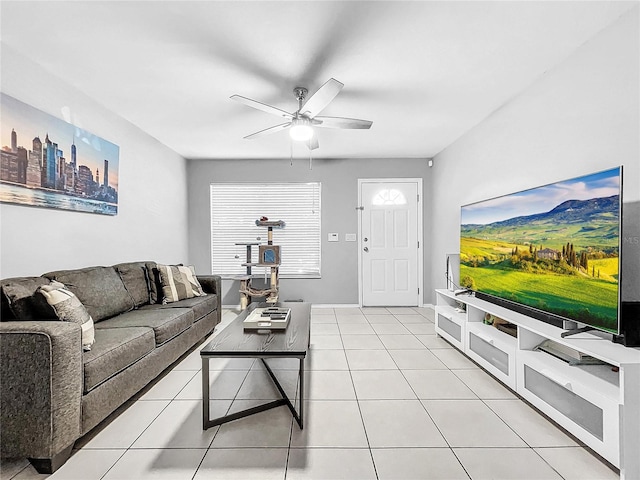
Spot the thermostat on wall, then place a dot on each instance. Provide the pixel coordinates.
(333, 237)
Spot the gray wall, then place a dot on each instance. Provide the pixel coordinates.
(152, 212)
(580, 117)
(339, 282)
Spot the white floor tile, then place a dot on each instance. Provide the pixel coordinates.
(362, 342)
(381, 385)
(534, 429)
(470, 423)
(374, 311)
(326, 342)
(390, 329)
(427, 312)
(147, 464)
(335, 424)
(370, 360)
(270, 428)
(575, 463)
(386, 318)
(483, 384)
(412, 318)
(223, 384)
(243, 464)
(330, 463)
(453, 359)
(438, 385)
(401, 342)
(418, 464)
(345, 311)
(258, 385)
(326, 360)
(399, 423)
(401, 310)
(505, 464)
(180, 426)
(416, 360)
(421, 328)
(350, 319)
(329, 385)
(324, 329)
(321, 319)
(433, 341)
(316, 311)
(123, 430)
(355, 329)
(83, 465)
(170, 385)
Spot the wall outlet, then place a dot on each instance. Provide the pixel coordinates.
(350, 237)
(333, 237)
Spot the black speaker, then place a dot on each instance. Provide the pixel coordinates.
(629, 325)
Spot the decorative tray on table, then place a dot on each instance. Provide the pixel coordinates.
(272, 318)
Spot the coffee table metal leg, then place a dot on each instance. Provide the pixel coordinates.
(301, 407)
(205, 392)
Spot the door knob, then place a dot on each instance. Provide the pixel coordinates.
(365, 239)
(366, 249)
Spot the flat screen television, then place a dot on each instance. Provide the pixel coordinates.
(551, 252)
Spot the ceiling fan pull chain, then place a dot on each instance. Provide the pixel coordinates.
(291, 151)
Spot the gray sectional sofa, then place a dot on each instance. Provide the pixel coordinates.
(51, 392)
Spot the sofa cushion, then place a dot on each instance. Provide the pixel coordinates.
(166, 323)
(69, 309)
(155, 286)
(135, 280)
(114, 350)
(179, 282)
(100, 290)
(201, 305)
(21, 297)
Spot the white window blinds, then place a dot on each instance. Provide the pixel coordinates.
(235, 207)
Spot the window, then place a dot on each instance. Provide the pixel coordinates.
(235, 207)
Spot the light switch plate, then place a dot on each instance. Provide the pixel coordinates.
(350, 237)
(333, 237)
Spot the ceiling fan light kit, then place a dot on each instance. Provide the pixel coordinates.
(302, 121)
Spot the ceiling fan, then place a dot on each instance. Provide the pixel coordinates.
(302, 121)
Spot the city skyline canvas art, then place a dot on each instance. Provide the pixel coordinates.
(47, 162)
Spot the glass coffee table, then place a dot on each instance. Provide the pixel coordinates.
(236, 342)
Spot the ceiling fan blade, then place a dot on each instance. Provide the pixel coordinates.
(269, 130)
(312, 144)
(319, 100)
(341, 122)
(261, 106)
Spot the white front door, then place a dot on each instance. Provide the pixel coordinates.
(389, 242)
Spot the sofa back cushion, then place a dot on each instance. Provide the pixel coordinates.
(155, 285)
(20, 300)
(100, 290)
(136, 281)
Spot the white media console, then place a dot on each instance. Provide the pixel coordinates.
(599, 404)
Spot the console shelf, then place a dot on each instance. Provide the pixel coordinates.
(599, 404)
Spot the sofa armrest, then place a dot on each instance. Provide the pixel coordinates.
(213, 284)
(41, 387)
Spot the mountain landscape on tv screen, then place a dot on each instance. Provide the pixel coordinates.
(563, 261)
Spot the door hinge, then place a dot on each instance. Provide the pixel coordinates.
(418, 290)
(418, 197)
(418, 243)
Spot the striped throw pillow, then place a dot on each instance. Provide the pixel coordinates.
(69, 308)
(179, 282)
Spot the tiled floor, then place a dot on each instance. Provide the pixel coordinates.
(386, 399)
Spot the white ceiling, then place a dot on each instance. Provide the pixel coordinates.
(424, 72)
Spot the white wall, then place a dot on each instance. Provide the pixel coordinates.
(151, 223)
(580, 117)
(339, 282)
